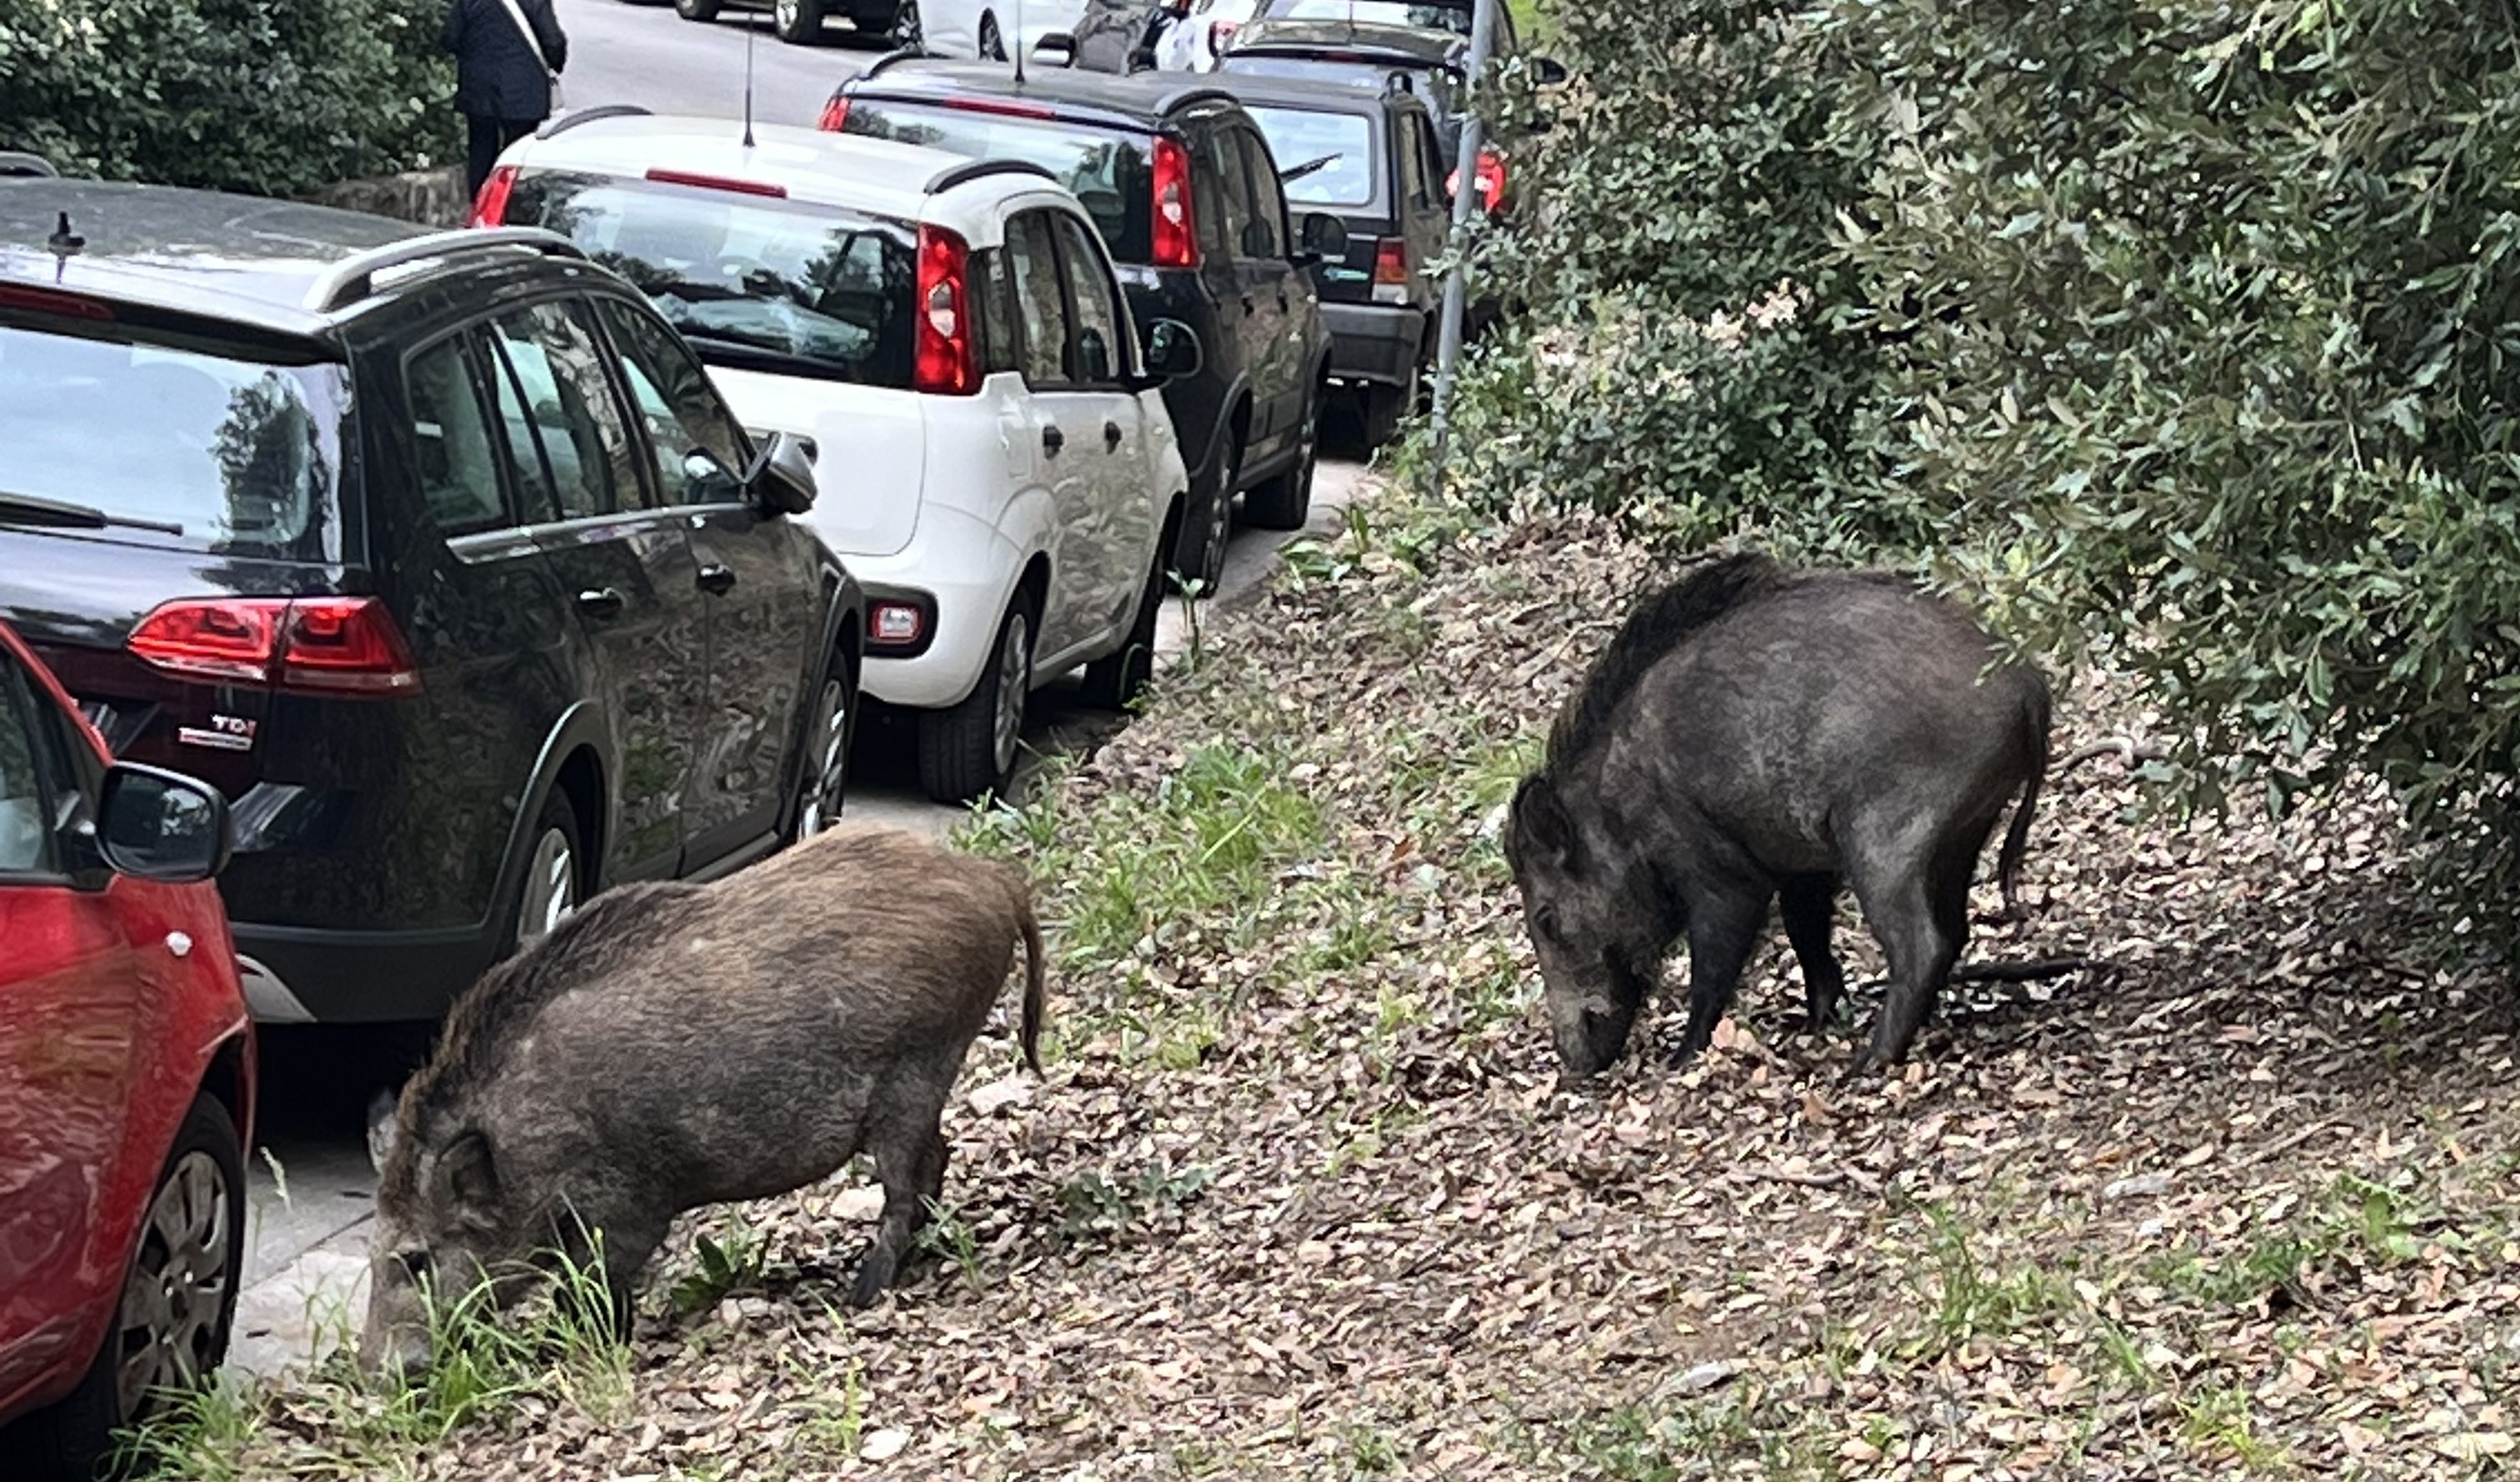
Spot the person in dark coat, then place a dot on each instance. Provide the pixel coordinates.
(501, 86)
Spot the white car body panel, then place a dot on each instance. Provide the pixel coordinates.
(951, 28)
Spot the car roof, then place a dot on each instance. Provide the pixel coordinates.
(876, 176)
(237, 257)
(1136, 100)
(1370, 40)
(1362, 93)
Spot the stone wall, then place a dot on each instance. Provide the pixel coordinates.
(431, 198)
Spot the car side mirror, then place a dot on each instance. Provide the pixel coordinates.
(782, 478)
(1324, 236)
(155, 825)
(1172, 351)
(1057, 49)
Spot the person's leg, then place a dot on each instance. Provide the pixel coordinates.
(487, 138)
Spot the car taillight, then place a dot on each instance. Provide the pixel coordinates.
(895, 624)
(1176, 228)
(1391, 271)
(1219, 35)
(1487, 180)
(836, 114)
(490, 208)
(944, 364)
(53, 301)
(337, 645)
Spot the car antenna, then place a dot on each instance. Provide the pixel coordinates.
(747, 81)
(1020, 77)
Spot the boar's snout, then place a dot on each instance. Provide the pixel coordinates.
(395, 1338)
(1590, 1034)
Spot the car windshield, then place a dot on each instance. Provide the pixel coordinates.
(167, 444)
(1302, 136)
(1107, 170)
(752, 282)
(1425, 18)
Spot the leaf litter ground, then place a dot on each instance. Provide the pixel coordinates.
(1300, 1195)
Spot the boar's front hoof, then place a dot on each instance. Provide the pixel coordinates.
(875, 1274)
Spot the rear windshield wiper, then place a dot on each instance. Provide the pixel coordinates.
(731, 347)
(60, 514)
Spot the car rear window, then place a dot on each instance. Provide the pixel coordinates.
(1433, 85)
(754, 283)
(1106, 169)
(1427, 18)
(1299, 137)
(170, 444)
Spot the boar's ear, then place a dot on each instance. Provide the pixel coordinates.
(381, 1129)
(468, 1182)
(1541, 832)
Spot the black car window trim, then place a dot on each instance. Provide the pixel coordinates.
(24, 704)
(1120, 356)
(674, 344)
(495, 353)
(1260, 180)
(1019, 332)
(477, 356)
(652, 499)
(650, 506)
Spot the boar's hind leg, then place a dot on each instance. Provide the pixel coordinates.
(1922, 940)
(1809, 905)
(1723, 931)
(910, 1162)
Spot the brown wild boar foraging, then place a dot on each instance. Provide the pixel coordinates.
(1753, 735)
(671, 1045)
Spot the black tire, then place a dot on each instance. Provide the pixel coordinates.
(993, 43)
(823, 756)
(1115, 681)
(696, 10)
(74, 1438)
(904, 27)
(530, 916)
(1387, 407)
(1285, 502)
(963, 753)
(1199, 552)
(798, 23)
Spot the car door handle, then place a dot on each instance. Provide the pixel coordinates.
(1052, 440)
(717, 580)
(602, 601)
(1110, 436)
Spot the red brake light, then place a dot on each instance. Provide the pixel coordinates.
(1002, 107)
(490, 208)
(662, 176)
(836, 114)
(1176, 227)
(1219, 35)
(340, 645)
(1391, 271)
(54, 302)
(944, 363)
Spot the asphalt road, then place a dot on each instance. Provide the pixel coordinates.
(647, 55)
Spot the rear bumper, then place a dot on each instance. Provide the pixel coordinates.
(295, 974)
(1374, 342)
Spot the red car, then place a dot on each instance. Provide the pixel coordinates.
(127, 1083)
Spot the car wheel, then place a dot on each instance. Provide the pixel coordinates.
(969, 749)
(800, 23)
(553, 872)
(179, 1301)
(1387, 407)
(993, 46)
(1285, 502)
(906, 31)
(825, 766)
(1115, 681)
(1199, 553)
(696, 10)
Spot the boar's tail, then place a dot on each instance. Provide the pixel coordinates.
(2016, 836)
(1035, 965)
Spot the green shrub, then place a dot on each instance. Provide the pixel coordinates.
(276, 97)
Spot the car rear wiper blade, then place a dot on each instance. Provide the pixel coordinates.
(735, 346)
(1294, 173)
(60, 514)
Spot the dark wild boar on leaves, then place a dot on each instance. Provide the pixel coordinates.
(1754, 734)
(671, 1045)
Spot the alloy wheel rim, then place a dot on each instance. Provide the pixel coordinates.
(1014, 666)
(785, 12)
(905, 24)
(551, 886)
(179, 1287)
(823, 800)
(1220, 518)
(993, 45)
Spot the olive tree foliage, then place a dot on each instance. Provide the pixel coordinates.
(270, 96)
(2180, 334)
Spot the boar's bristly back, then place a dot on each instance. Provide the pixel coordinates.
(1656, 627)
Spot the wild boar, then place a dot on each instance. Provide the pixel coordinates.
(1752, 734)
(671, 1045)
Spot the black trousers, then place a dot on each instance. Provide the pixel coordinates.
(490, 137)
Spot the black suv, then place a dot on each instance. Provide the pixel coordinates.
(436, 553)
(1185, 192)
(1369, 158)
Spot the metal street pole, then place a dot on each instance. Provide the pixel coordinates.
(1465, 203)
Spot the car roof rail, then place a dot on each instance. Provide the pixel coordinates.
(980, 169)
(568, 121)
(20, 164)
(354, 278)
(901, 54)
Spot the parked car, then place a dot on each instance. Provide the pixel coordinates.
(983, 30)
(1369, 158)
(1179, 183)
(1203, 35)
(950, 333)
(800, 23)
(126, 1084)
(436, 553)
